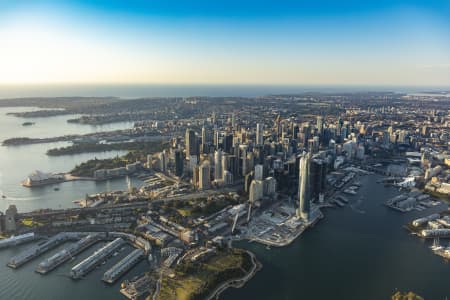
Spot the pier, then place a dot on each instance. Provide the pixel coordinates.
(95, 259)
(64, 255)
(123, 266)
(17, 240)
(39, 249)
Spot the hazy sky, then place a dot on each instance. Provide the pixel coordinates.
(213, 42)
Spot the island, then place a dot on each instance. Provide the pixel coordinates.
(145, 147)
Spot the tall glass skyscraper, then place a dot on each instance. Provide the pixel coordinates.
(304, 187)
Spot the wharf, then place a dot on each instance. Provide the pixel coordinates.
(123, 266)
(39, 249)
(95, 259)
(17, 240)
(68, 253)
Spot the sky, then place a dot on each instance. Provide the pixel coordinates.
(314, 42)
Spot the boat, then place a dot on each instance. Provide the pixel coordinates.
(338, 202)
(350, 191)
(436, 245)
(56, 188)
(3, 196)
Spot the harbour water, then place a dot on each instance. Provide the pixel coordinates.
(19, 161)
(357, 252)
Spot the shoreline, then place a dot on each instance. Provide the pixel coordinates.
(237, 282)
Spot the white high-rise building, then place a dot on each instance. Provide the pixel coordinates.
(259, 172)
(304, 186)
(256, 191)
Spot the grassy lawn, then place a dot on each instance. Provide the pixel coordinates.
(195, 282)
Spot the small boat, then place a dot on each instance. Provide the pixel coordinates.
(3, 196)
(56, 189)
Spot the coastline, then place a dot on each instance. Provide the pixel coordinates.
(237, 282)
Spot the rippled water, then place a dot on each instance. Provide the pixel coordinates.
(19, 161)
(351, 255)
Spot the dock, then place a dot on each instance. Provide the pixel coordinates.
(123, 266)
(95, 259)
(66, 254)
(39, 249)
(17, 240)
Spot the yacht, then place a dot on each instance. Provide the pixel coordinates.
(436, 246)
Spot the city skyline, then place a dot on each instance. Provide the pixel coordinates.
(299, 43)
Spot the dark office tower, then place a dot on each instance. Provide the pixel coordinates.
(306, 133)
(326, 137)
(304, 188)
(295, 131)
(293, 145)
(178, 163)
(228, 143)
(318, 177)
(258, 154)
(191, 143)
(232, 166)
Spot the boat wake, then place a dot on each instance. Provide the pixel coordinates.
(22, 198)
(355, 206)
